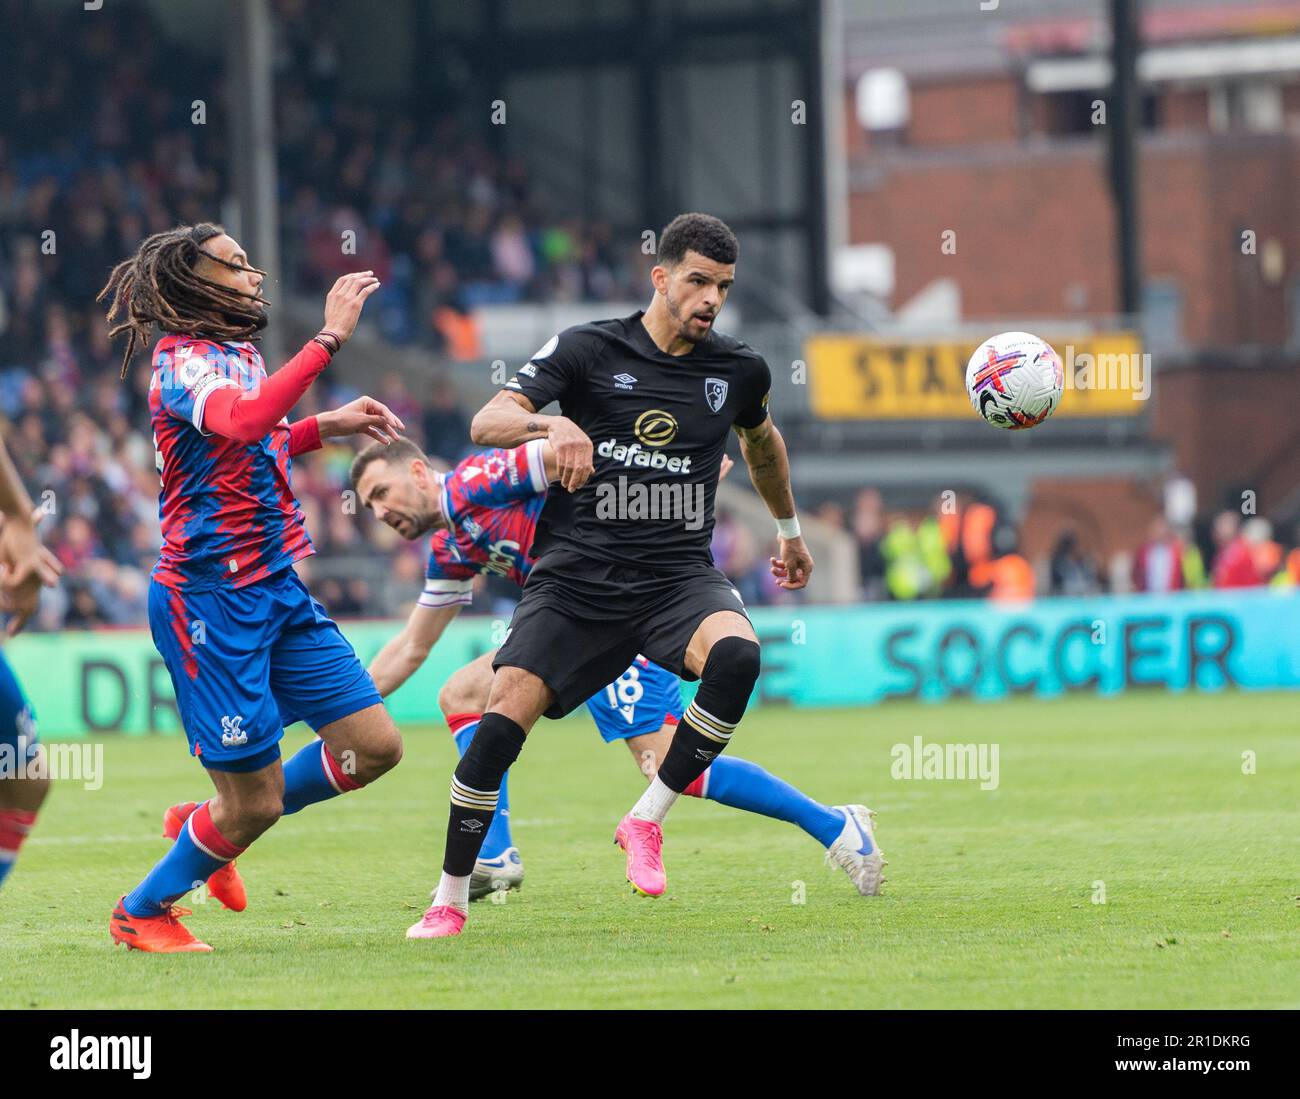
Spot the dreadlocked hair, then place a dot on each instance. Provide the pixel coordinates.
(159, 285)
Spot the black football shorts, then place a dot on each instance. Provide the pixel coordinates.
(581, 622)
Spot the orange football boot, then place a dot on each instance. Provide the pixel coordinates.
(161, 934)
(225, 885)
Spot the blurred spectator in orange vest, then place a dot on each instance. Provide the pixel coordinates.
(1007, 578)
(1234, 567)
(967, 530)
(1158, 564)
(460, 334)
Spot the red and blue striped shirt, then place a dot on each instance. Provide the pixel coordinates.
(492, 502)
(228, 514)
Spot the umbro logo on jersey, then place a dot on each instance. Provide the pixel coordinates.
(624, 381)
(528, 370)
(715, 392)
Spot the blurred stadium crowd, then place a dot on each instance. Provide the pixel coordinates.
(444, 222)
(96, 157)
(964, 548)
(100, 149)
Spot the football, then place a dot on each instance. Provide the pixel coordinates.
(1015, 380)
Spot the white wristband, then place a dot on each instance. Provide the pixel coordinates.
(788, 528)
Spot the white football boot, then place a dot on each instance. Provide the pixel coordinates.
(505, 871)
(856, 852)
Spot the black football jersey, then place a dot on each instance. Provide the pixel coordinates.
(658, 425)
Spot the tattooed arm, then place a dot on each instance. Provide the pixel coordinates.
(769, 468)
(763, 450)
(509, 419)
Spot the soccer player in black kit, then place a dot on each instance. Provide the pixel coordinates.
(624, 566)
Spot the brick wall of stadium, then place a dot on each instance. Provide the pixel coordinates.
(1034, 222)
(975, 160)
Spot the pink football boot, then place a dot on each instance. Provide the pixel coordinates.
(643, 840)
(440, 922)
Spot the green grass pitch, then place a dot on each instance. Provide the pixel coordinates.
(990, 898)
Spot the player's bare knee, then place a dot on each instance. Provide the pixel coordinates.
(259, 812)
(466, 691)
(385, 753)
(519, 695)
(26, 793)
(453, 698)
(447, 695)
(376, 753)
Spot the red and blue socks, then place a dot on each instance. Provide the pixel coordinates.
(498, 838)
(745, 785)
(199, 851)
(15, 824)
(313, 775)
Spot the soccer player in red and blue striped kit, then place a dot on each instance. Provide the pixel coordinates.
(248, 649)
(25, 566)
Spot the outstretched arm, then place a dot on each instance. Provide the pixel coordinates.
(399, 659)
(769, 468)
(363, 416)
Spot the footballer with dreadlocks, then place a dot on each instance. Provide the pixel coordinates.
(247, 647)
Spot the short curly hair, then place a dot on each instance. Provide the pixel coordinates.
(701, 233)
